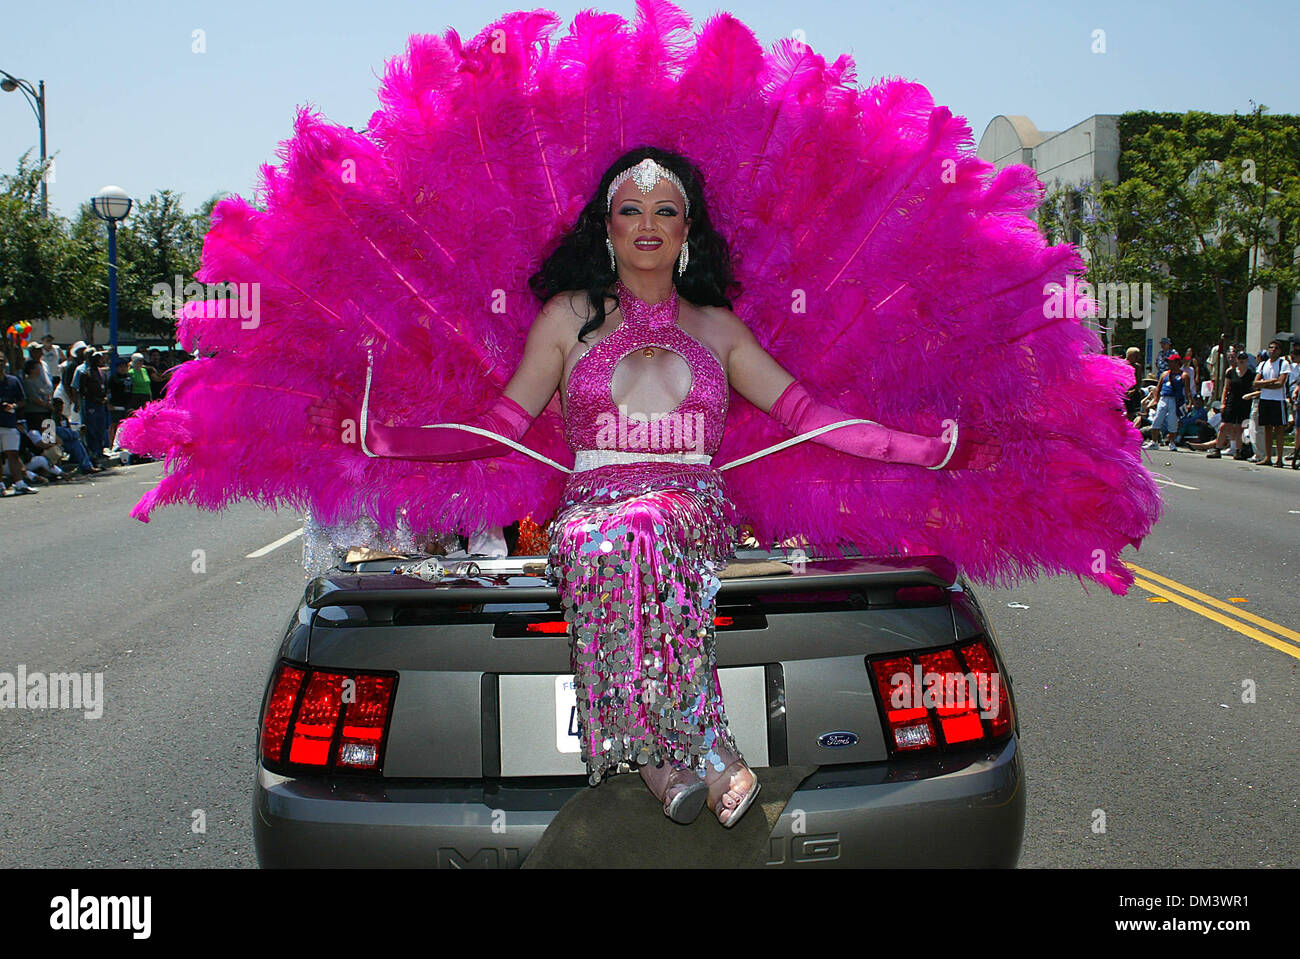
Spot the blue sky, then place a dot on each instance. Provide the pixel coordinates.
(130, 102)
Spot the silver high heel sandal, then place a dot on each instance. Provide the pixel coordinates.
(683, 793)
(722, 785)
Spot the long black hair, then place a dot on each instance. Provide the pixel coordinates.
(581, 261)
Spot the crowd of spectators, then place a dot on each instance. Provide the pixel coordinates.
(59, 409)
(1247, 409)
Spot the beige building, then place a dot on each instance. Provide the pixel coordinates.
(1089, 151)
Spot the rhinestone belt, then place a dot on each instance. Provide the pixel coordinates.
(590, 459)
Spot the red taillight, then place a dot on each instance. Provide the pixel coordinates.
(364, 719)
(723, 621)
(909, 725)
(937, 699)
(279, 707)
(311, 709)
(955, 697)
(318, 715)
(980, 662)
(551, 626)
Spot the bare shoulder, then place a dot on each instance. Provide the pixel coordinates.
(563, 306)
(570, 308)
(562, 316)
(722, 327)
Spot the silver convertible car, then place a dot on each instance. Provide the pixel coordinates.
(402, 717)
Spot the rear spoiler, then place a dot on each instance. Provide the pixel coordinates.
(881, 576)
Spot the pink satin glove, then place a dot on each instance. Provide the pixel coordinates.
(439, 444)
(799, 412)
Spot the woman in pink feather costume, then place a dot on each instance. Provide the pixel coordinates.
(843, 247)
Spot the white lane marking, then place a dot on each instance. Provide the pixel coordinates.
(276, 545)
(1166, 482)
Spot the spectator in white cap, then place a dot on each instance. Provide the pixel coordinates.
(51, 357)
(65, 390)
(92, 387)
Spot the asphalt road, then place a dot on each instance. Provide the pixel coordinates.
(1134, 707)
(185, 656)
(1140, 749)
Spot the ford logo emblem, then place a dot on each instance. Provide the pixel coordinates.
(837, 740)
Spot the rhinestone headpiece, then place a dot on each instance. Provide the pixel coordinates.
(645, 175)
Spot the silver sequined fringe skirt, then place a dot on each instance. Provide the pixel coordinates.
(635, 548)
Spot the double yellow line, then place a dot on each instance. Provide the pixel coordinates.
(1209, 607)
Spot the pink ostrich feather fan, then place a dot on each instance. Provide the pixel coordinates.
(878, 260)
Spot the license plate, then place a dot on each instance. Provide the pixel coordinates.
(538, 716)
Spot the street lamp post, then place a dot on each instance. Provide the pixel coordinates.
(112, 204)
(36, 99)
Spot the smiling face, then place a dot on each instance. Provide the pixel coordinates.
(637, 220)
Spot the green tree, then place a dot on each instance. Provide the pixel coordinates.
(160, 245)
(1086, 215)
(33, 250)
(51, 267)
(88, 271)
(1201, 191)
(155, 244)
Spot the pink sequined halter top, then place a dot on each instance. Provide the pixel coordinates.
(593, 420)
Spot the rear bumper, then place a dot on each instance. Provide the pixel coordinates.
(951, 811)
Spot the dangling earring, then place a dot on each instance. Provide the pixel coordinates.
(682, 259)
(613, 263)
